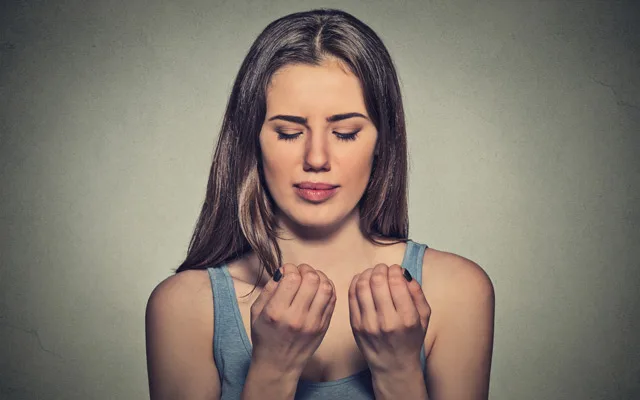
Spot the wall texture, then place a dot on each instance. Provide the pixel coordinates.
(524, 133)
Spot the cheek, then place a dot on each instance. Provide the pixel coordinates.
(276, 160)
(276, 164)
(356, 172)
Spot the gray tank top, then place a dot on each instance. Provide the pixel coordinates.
(232, 347)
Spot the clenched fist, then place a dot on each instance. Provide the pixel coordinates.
(389, 315)
(290, 317)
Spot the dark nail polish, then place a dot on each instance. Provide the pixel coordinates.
(407, 275)
(277, 275)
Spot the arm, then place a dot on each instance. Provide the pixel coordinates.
(179, 336)
(264, 382)
(459, 364)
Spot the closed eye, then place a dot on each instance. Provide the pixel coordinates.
(341, 136)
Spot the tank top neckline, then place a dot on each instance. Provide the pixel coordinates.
(249, 348)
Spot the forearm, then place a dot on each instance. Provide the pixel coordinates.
(407, 384)
(263, 382)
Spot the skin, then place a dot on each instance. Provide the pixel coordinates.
(451, 313)
(325, 235)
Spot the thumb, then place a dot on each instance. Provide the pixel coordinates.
(419, 300)
(266, 293)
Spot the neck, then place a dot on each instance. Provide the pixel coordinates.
(340, 251)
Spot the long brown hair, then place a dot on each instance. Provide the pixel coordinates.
(238, 212)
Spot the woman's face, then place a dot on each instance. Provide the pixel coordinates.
(316, 130)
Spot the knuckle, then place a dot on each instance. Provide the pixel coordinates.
(371, 330)
(410, 322)
(396, 280)
(386, 329)
(289, 268)
(309, 330)
(378, 280)
(325, 288)
(292, 278)
(312, 277)
(362, 285)
(296, 326)
(270, 315)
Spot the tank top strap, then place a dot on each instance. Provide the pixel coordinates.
(412, 261)
(413, 257)
(226, 333)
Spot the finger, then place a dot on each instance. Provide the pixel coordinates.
(402, 298)
(324, 295)
(355, 317)
(287, 288)
(365, 302)
(310, 281)
(328, 311)
(420, 300)
(265, 294)
(381, 294)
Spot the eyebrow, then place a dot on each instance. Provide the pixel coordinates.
(303, 121)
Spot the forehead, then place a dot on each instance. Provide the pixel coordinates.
(307, 89)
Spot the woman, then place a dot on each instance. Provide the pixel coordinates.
(308, 183)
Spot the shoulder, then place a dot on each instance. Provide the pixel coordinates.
(179, 335)
(455, 276)
(461, 297)
(183, 300)
(190, 287)
(457, 289)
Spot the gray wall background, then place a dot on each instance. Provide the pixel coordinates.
(524, 125)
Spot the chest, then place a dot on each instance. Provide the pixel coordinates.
(338, 356)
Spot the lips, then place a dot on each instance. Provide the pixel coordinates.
(315, 185)
(316, 196)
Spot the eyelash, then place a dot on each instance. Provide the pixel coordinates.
(347, 137)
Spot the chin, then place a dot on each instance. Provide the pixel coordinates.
(317, 218)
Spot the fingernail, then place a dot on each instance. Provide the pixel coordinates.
(277, 275)
(407, 275)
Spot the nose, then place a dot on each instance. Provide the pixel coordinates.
(316, 156)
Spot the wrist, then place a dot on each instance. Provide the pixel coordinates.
(264, 381)
(272, 371)
(397, 370)
(397, 374)
(402, 383)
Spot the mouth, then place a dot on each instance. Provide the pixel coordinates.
(315, 186)
(316, 192)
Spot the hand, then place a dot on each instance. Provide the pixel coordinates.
(290, 318)
(389, 318)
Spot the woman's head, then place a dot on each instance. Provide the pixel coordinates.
(312, 65)
(316, 130)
